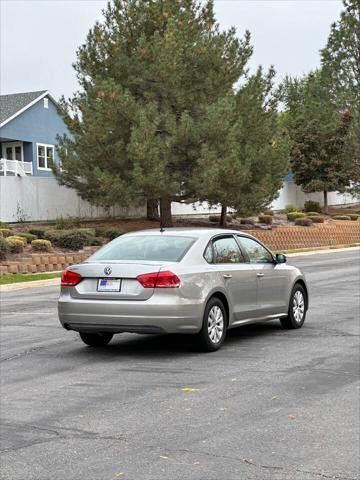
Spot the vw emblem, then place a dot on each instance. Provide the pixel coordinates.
(107, 270)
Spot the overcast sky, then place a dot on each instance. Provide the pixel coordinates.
(39, 38)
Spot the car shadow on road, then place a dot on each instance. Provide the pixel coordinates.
(162, 346)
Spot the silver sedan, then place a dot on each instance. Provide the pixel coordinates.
(196, 281)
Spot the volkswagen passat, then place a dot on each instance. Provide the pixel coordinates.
(196, 281)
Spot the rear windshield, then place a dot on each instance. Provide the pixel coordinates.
(147, 247)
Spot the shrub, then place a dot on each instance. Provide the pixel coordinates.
(29, 237)
(96, 241)
(4, 225)
(291, 208)
(303, 222)
(39, 232)
(5, 232)
(317, 218)
(312, 214)
(54, 235)
(268, 219)
(15, 245)
(67, 223)
(4, 248)
(112, 233)
(41, 245)
(312, 206)
(267, 211)
(88, 231)
(247, 221)
(73, 240)
(294, 215)
(99, 231)
(353, 216)
(17, 237)
(341, 217)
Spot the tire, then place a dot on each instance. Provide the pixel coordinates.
(96, 339)
(297, 308)
(213, 331)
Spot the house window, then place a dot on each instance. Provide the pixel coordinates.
(45, 156)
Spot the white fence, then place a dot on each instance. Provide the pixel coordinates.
(39, 198)
(15, 167)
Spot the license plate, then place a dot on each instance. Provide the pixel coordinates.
(109, 285)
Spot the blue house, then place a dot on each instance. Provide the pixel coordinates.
(29, 125)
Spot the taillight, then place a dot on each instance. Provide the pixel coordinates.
(159, 280)
(70, 279)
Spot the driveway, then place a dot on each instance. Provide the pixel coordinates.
(271, 404)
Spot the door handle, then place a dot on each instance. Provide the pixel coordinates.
(227, 275)
(259, 274)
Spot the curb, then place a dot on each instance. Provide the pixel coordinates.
(56, 281)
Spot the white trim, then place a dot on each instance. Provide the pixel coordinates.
(12, 144)
(46, 169)
(28, 106)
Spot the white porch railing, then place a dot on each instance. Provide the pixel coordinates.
(15, 167)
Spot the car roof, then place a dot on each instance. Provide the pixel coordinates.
(187, 232)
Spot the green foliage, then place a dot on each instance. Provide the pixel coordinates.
(267, 211)
(96, 241)
(5, 232)
(54, 235)
(303, 222)
(353, 216)
(316, 218)
(15, 244)
(312, 214)
(38, 232)
(312, 206)
(17, 237)
(4, 248)
(341, 217)
(267, 219)
(247, 221)
(291, 208)
(4, 225)
(29, 237)
(67, 223)
(88, 231)
(41, 245)
(291, 216)
(73, 240)
(148, 74)
(112, 233)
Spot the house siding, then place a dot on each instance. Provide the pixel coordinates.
(36, 125)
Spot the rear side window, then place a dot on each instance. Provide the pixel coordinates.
(147, 248)
(225, 250)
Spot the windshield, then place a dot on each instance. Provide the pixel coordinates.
(147, 247)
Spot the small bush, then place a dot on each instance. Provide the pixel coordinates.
(353, 216)
(99, 231)
(29, 237)
(317, 218)
(17, 237)
(67, 223)
(341, 217)
(73, 240)
(5, 232)
(112, 233)
(267, 219)
(291, 216)
(96, 241)
(39, 232)
(54, 235)
(41, 245)
(4, 225)
(247, 221)
(303, 222)
(312, 214)
(291, 208)
(267, 211)
(312, 206)
(4, 248)
(88, 231)
(15, 245)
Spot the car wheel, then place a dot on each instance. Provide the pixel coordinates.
(96, 339)
(297, 309)
(213, 332)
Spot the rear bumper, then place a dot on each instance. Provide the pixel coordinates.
(156, 315)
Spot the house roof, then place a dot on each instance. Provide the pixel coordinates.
(12, 105)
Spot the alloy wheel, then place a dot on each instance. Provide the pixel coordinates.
(215, 324)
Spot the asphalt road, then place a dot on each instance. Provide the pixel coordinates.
(271, 404)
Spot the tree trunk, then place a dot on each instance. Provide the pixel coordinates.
(223, 216)
(326, 208)
(152, 209)
(165, 212)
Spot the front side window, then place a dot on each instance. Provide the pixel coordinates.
(145, 248)
(45, 156)
(226, 250)
(256, 252)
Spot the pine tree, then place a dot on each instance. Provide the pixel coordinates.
(147, 74)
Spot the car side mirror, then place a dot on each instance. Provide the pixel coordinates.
(280, 258)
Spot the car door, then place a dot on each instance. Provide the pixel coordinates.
(271, 278)
(238, 276)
